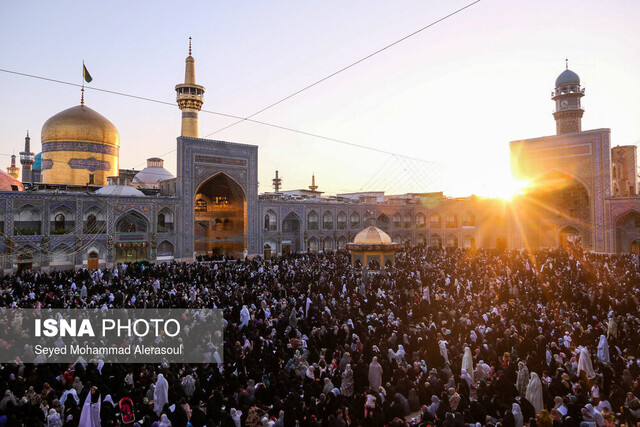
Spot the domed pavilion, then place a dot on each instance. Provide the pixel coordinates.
(372, 244)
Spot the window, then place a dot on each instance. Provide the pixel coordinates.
(407, 220)
(91, 179)
(327, 221)
(342, 221)
(451, 221)
(312, 221)
(468, 220)
(397, 220)
(201, 205)
(270, 221)
(354, 220)
(59, 223)
(436, 221)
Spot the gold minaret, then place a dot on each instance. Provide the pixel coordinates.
(13, 170)
(190, 97)
(313, 186)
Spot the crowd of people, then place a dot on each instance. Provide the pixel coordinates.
(443, 338)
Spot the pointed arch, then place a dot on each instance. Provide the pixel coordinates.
(451, 220)
(451, 241)
(354, 221)
(313, 244)
(61, 254)
(312, 220)
(382, 222)
(407, 220)
(627, 226)
(166, 249)
(327, 220)
(165, 220)
(468, 219)
(27, 220)
(220, 217)
(435, 220)
(342, 220)
(291, 223)
(270, 220)
(132, 221)
(397, 220)
(327, 244)
(468, 242)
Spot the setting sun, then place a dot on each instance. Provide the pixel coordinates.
(503, 189)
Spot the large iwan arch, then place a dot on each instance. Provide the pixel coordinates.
(220, 219)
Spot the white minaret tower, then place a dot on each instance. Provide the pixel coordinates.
(567, 96)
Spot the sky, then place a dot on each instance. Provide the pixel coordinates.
(453, 95)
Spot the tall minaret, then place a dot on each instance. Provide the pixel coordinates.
(190, 97)
(277, 183)
(13, 170)
(567, 96)
(313, 186)
(26, 160)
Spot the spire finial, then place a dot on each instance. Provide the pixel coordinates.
(82, 95)
(566, 60)
(27, 133)
(189, 45)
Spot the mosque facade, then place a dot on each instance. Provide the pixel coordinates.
(74, 206)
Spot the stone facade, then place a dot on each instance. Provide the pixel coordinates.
(54, 229)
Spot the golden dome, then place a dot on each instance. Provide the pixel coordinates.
(80, 123)
(372, 236)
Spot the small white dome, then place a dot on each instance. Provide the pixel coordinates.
(152, 174)
(120, 190)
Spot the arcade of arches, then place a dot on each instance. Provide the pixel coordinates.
(220, 217)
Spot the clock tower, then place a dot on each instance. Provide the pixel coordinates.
(567, 96)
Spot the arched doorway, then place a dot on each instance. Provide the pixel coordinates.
(570, 236)
(220, 218)
(267, 251)
(25, 258)
(313, 245)
(165, 251)
(555, 199)
(132, 237)
(92, 260)
(628, 232)
(291, 233)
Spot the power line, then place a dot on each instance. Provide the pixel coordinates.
(353, 64)
(285, 128)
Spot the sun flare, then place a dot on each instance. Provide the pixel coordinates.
(505, 189)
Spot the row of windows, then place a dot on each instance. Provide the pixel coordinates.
(27, 222)
(435, 221)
